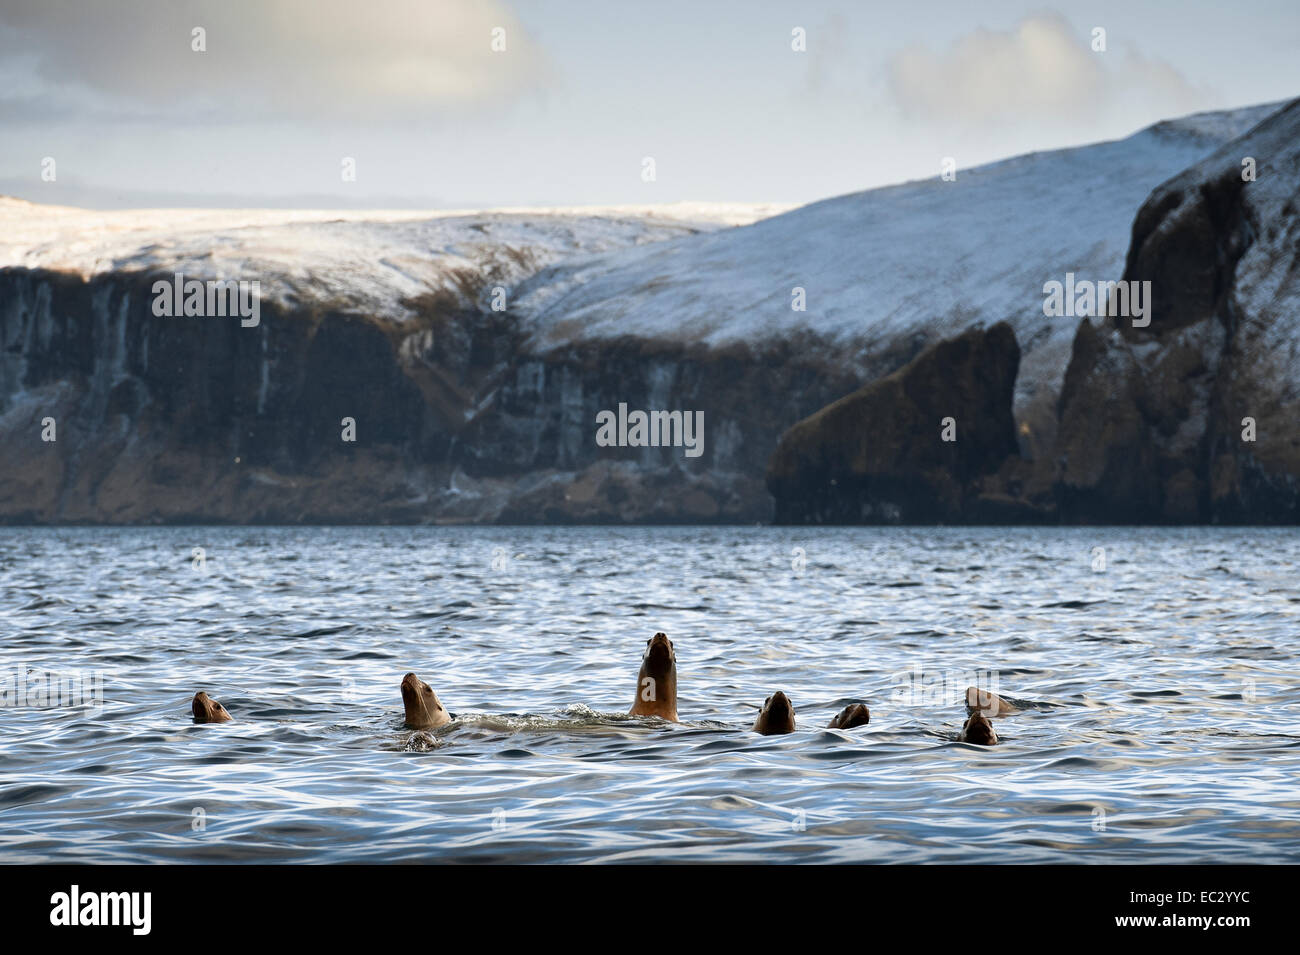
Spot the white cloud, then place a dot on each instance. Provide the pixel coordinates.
(273, 58)
(1040, 70)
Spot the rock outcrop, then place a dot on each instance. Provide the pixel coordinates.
(1196, 417)
(1192, 417)
(909, 448)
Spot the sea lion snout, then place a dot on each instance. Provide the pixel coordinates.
(208, 710)
(777, 715)
(779, 703)
(979, 730)
(855, 714)
(660, 656)
(423, 708)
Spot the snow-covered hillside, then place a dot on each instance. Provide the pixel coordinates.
(927, 258)
(368, 261)
(919, 261)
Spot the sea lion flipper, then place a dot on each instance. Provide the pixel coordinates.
(987, 703)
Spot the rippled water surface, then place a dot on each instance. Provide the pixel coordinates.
(1162, 719)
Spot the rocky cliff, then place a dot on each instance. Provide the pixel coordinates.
(453, 417)
(909, 448)
(1189, 413)
(408, 368)
(1196, 417)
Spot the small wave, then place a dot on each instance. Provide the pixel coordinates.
(321, 632)
(44, 603)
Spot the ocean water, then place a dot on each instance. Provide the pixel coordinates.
(1160, 694)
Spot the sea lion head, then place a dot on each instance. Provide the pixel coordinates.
(656, 683)
(208, 710)
(979, 730)
(424, 711)
(777, 715)
(855, 714)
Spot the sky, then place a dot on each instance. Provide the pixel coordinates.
(585, 91)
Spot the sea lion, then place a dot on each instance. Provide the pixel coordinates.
(656, 683)
(988, 704)
(208, 710)
(979, 730)
(424, 711)
(776, 716)
(855, 714)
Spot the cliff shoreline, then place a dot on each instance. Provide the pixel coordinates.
(457, 370)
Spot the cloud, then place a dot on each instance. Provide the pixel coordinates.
(373, 59)
(1040, 70)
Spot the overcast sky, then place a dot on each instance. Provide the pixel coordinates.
(584, 91)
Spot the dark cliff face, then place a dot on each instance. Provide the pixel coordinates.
(1156, 422)
(879, 455)
(462, 416)
(1191, 418)
(456, 418)
(176, 419)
